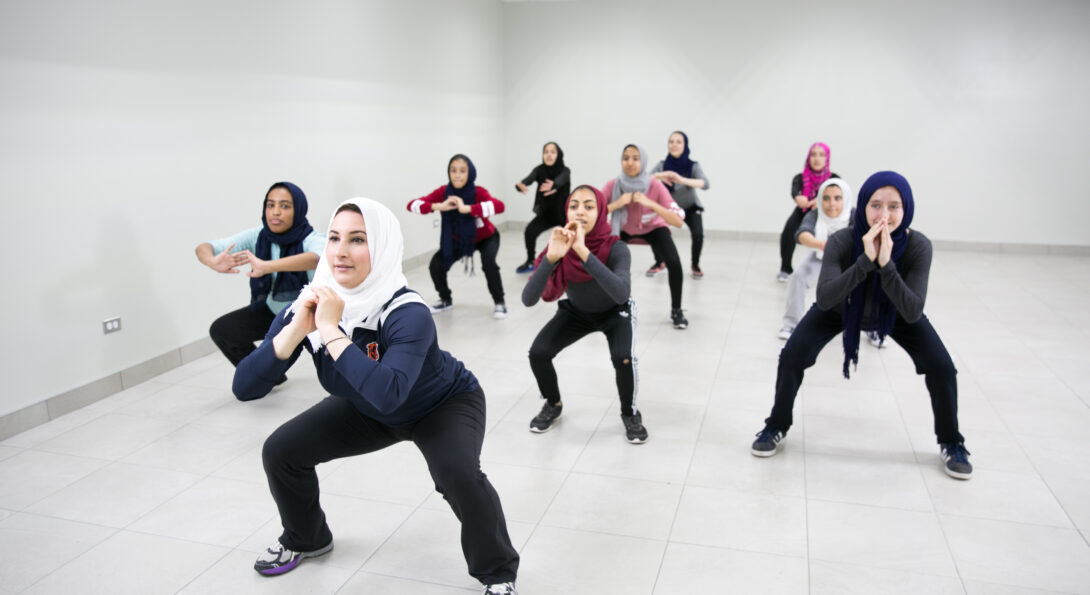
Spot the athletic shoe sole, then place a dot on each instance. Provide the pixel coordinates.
(956, 474)
(541, 431)
(295, 562)
(763, 453)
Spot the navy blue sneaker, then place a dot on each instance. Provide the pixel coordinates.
(526, 267)
(768, 440)
(957, 460)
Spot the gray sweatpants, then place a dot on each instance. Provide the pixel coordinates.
(806, 273)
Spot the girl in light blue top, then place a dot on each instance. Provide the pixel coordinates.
(282, 254)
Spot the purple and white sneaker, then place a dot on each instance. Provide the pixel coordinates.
(278, 559)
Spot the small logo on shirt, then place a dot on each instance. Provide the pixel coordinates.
(372, 350)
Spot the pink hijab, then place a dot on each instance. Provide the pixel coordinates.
(811, 179)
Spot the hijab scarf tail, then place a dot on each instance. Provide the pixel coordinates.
(885, 313)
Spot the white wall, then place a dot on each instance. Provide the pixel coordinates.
(132, 131)
(981, 105)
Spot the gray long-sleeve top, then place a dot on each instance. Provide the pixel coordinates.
(685, 196)
(610, 286)
(906, 285)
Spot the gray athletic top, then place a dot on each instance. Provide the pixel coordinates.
(906, 287)
(685, 196)
(611, 284)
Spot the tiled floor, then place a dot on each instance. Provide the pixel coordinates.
(159, 489)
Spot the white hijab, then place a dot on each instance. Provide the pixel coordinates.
(827, 225)
(363, 303)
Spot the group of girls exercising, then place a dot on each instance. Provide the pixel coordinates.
(344, 299)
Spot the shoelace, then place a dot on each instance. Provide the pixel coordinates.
(958, 452)
(766, 435)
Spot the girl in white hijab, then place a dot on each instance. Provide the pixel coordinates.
(374, 347)
(815, 229)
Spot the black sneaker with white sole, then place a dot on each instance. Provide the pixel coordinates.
(956, 460)
(441, 305)
(543, 421)
(768, 440)
(501, 589)
(277, 559)
(679, 320)
(634, 431)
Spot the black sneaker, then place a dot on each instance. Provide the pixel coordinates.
(679, 320)
(278, 559)
(441, 305)
(501, 589)
(526, 267)
(634, 431)
(957, 460)
(768, 440)
(543, 421)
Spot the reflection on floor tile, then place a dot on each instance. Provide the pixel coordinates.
(161, 488)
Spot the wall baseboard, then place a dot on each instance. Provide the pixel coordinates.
(67, 402)
(34, 415)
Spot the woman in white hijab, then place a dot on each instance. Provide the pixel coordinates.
(374, 347)
(814, 230)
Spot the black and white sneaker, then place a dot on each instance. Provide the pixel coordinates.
(543, 421)
(768, 440)
(501, 589)
(956, 459)
(499, 312)
(679, 320)
(634, 431)
(277, 559)
(441, 306)
(874, 339)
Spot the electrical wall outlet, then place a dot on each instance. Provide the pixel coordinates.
(111, 325)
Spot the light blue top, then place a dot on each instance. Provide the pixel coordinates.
(247, 240)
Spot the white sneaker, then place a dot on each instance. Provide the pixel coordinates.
(499, 312)
(874, 340)
(785, 333)
(783, 277)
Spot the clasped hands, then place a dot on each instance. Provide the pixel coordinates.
(453, 203)
(878, 243)
(562, 239)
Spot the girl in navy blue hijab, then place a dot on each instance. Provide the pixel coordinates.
(465, 227)
(281, 255)
(874, 278)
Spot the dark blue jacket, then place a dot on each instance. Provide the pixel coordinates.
(395, 375)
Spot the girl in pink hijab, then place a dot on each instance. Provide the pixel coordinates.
(804, 189)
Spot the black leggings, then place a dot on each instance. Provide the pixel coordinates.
(235, 332)
(695, 220)
(661, 243)
(919, 339)
(787, 239)
(450, 440)
(534, 228)
(568, 326)
(488, 248)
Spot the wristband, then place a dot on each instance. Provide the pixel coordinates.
(327, 343)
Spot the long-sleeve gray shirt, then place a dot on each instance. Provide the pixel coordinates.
(610, 286)
(906, 285)
(685, 196)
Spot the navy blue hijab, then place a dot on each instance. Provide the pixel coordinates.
(459, 231)
(287, 284)
(682, 165)
(885, 314)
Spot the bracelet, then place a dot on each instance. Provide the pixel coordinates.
(327, 343)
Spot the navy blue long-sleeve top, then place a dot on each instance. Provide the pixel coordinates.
(396, 375)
